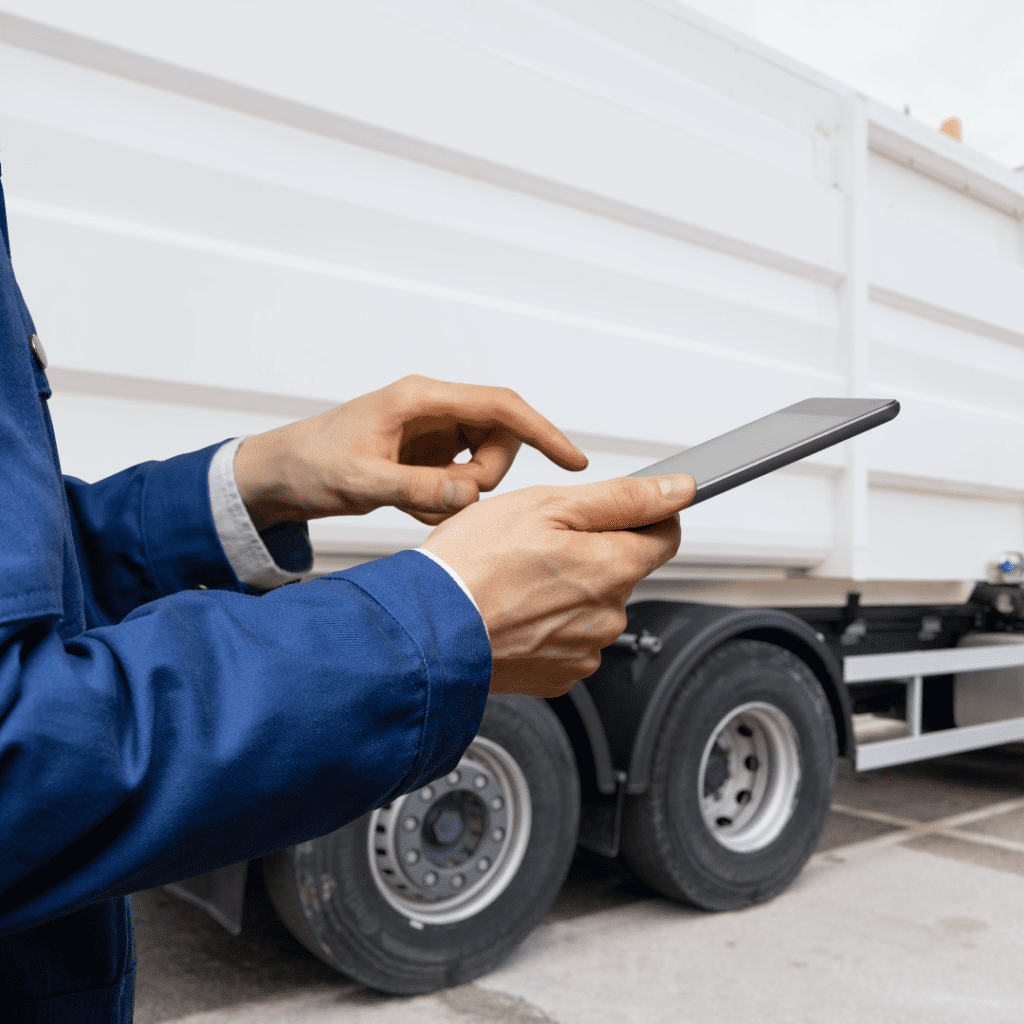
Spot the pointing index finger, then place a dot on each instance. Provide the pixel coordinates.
(481, 406)
(535, 430)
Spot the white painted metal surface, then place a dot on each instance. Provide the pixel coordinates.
(913, 668)
(867, 668)
(225, 216)
(883, 753)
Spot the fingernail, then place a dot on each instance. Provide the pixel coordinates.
(675, 486)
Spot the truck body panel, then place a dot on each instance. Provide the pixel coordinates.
(651, 227)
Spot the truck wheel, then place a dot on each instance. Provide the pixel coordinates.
(741, 781)
(435, 888)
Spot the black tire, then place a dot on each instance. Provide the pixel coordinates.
(352, 904)
(678, 836)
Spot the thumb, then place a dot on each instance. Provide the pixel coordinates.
(626, 502)
(422, 488)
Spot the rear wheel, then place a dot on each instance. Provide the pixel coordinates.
(741, 780)
(435, 888)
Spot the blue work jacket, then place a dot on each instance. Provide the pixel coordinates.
(151, 731)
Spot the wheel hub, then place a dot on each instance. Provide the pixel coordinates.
(444, 852)
(453, 828)
(749, 777)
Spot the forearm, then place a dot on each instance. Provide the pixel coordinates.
(299, 711)
(162, 527)
(145, 533)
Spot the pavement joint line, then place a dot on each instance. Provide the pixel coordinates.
(908, 830)
(952, 821)
(841, 854)
(879, 816)
(982, 839)
(991, 811)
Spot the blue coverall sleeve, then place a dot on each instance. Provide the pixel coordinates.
(145, 533)
(149, 531)
(205, 726)
(210, 727)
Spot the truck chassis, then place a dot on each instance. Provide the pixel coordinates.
(701, 755)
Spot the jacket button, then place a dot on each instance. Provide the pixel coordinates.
(38, 351)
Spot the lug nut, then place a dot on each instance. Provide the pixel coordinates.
(483, 864)
(429, 878)
(479, 782)
(453, 779)
(498, 834)
(411, 856)
(410, 824)
(458, 881)
(497, 803)
(426, 794)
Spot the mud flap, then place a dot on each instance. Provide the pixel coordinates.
(220, 894)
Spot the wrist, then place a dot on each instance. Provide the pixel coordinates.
(263, 480)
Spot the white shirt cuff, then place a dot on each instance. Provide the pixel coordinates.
(246, 553)
(458, 579)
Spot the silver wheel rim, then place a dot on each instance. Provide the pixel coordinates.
(749, 777)
(450, 849)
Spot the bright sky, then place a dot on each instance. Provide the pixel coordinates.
(943, 58)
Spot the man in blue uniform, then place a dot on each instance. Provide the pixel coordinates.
(167, 707)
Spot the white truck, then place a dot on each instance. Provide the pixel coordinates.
(230, 215)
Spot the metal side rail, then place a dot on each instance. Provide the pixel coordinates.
(912, 668)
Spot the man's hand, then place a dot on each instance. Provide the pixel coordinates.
(395, 446)
(551, 569)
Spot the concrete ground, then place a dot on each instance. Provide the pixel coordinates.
(912, 910)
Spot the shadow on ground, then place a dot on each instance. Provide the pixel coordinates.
(188, 963)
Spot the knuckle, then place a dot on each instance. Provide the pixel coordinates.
(618, 568)
(420, 494)
(626, 495)
(415, 385)
(629, 490)
(611, 626)
(560, 681)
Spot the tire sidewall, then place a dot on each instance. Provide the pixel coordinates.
(371, 940)
(741, 672)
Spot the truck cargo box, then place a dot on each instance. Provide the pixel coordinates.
(653, 228)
